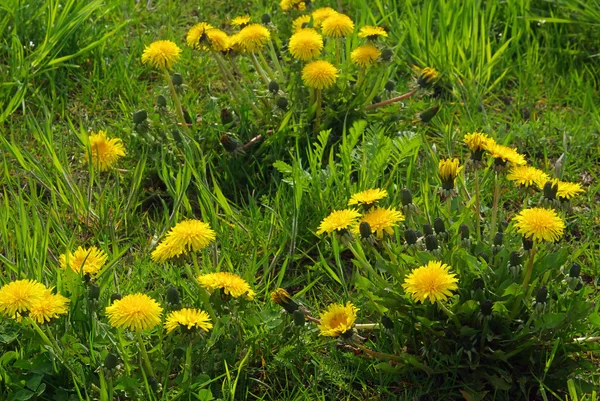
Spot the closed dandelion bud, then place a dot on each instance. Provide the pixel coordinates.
(427, 229)
(153, 383)
(282, 103)
(427, 78)
(463, 230)
(387, 322)
(186, 116)
(515, 258)
(226, 116)
(406, 197)
(431, 243)
(498, 239)
(575, 270)
(282, 298)
(177, 79)
(390, 86)
(173, 296)
(485, 307)
(387, 54)
(527, 243)
(115, 297)
(478, 284)
(140, 116)
(428, 114)
(418, 233)
(94, 292)
(410, 237)
(542, 295)
(229, 143)
(176, 135)
(161, 101)
(439, 226)
(376, 99)
(365, 230)
(111, 361)
(266, 18)
(299, 318)
(485, 257)
(273, 87)
(579, 286)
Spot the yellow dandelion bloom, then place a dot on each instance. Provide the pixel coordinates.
(432, 281)
(196, 36)
(188, 319)
(321, 14)
(567, 190)
(382, 220)
(135, 312)
(337, 319)
(478, 141)
(241, 21)
(365, 55)
(253, 37)
(48, 307)
(338, 220)
(162, 54)
(299, 5)
(540, 224)
(20, 296)
(306, 44)
(105, 151)
(367, 197)
(527, 176)
(505, 154)
(372, 32)
(186, 236)
(280, 296)
(427, 76)
(234, 43)
(449, 169)
(319, 74)
(337, 26)
(89, 260)
(219, 40)
(301, 22)
(230, 283)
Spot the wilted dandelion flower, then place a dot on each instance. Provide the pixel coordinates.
(527, 176)
(367, 197)
(338, 220)
(432, 281)
(48, 307)
(188, 319)
(540, 224)
(319, 74)
(365, 55)
(196, 36)
(372, 32)
(382, 220)
(568, 190)
(105, 151)
(301, 22)
(503, 154)
(230, 283)
(162, 54)
(337, 320)
(477, 141)
(241, 21)
(281, 297)
(91, 260)
(135, 312)
(321, 14)
(253, 37)
(219, 40)
(427, 76)
(337, 26)
(20, 296)
(306, 44)
(449, 169)
(187, 235)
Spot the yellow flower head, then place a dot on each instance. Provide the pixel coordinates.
(301, 22)
(338, 220)
(241, 21)
(540, 224)
(162, 54)
(232, 284)
(306, 44)
(567, 190)
(319, 74)
(105, 151)
(382, 220)
(427, 76)
(321, 14)
(504, 154)
(188, 319)
(186, 236)
(432, 281)
(365, 55)
(253, 37)
(196, 37)
(285, 300)
(337, 26)
(299, 5)
(89, 260)
(20, 296)
(135, 312)
(478, 141)
(48, 307)
(527, 176)
(367, 197)
(219, 41)
(449, 169)
(372, 32)
(337, 319)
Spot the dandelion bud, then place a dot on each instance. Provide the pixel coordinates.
(153, 383)
(390, 86)
(386, 54)
(93, 292)
(410, 236)
(376, 99)
(575, 270)
(226, 116)
(387, 322)
(111, 361)
(176, 135)
(177, 79)
(273, 87)
(485, 307)
(527, 243)
(485, 257)
(282, 103)
(439, 226)
(515, 259)
(542, 295)
(186, 116)
(406, 197)
(498, 239)
(173, 296)
(427, 78)
(115, 297)
(478, 284)
(140, 116)
(161, 101)
(365, 230)
(431, 243)
(579, 286)
(428, 114)
(299, 318)
(427, 229)
(229, 142)
(282, 298)
(418, 233)
(463, 230)
(550, 190)
(266, 18)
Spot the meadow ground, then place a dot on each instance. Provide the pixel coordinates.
(513, 316)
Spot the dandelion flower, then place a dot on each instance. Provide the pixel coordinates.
(527, 176)
(20, 296)
(319, 74)
(105, 151)
(382, 220)
(219, 40)
(540, 224)
(568, 190)
(299, 5)
(503, 154)
(367, 197)
(427, 76)
(89, 260)
(306, 44)
(230, 283)
(241, 21)
(432, 281)
(372, 32)
(135, 312)
(365, 55)
(196, 36)
(337, 319)
(188, 319)
(48, 307)
(301, 22)
(477, 141)
(338, 220)
(187, 235)
(254, 37)
(321, 14)
(282, 298)
(337, 26)
(449, 169)
(162, 54)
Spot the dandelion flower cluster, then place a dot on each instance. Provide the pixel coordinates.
(319, 74)
(540, 224)
(230, 283)
(188, 319)
(218, 40)
(382, 220)
(197, 35)
(367, 197)
(162, 54)
(187, 235)
(432, 282)
(104, 152)
(365, 55)
(306, 44)
(527, 176)
(253, 37)
(20, 296)
(90, 260)
(372, 32)
(337, 26)
(339, 220)
(301, 22)
(321, 14)
(299, 5)
(48, 307)
(135, 312)
(337, 320)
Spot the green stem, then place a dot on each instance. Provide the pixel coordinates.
(484, 335)
(204, 295)
(259, 70)
(145, 358)
(230, 80)
(267, 69)
(526, 280)
(187, 367)
(450, 314)
(338, 49)
(477, 206)
(492, 232)
(318, 111)
(275, 59)
(367, 326)
(178, 108)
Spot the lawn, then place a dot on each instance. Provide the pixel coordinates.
(379, 200)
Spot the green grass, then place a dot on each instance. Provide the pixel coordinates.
(524, 71)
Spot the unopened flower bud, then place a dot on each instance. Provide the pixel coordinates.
(427, 229)
(299, 318)
(376, 99)
(273, 87)
(177, 79)
(542, 295)
(478, 284)
(527, 243)
(439, 226)
(387, 54)
(390, 86)
(161, 101)
(575, 270)
(406, 197)
(173, 296)
(115, 297)
(365, 230)
(515, 258)
(464, 231)
(176, 135)
(226, 116)
(140, 116)
(431, 243)
(485, 257)
(410, 236)
(428, 114)
(111, 361)
(153, 383)
(498, 239)
(387, 322)
(282, 298)
(93, 292)
(266, 18)
(485, 307)
(282, 103)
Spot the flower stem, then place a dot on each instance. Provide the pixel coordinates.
(145, 359)
(477, 206)
(187, 367)
(526, 280)
(178, 108)
(204, 295)
(267, 69)
(492, 232)
(259, 70)
(275, 59)
(318, 111)
(338, 45)
(450, 314)
(367, 326)
(392, 100)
